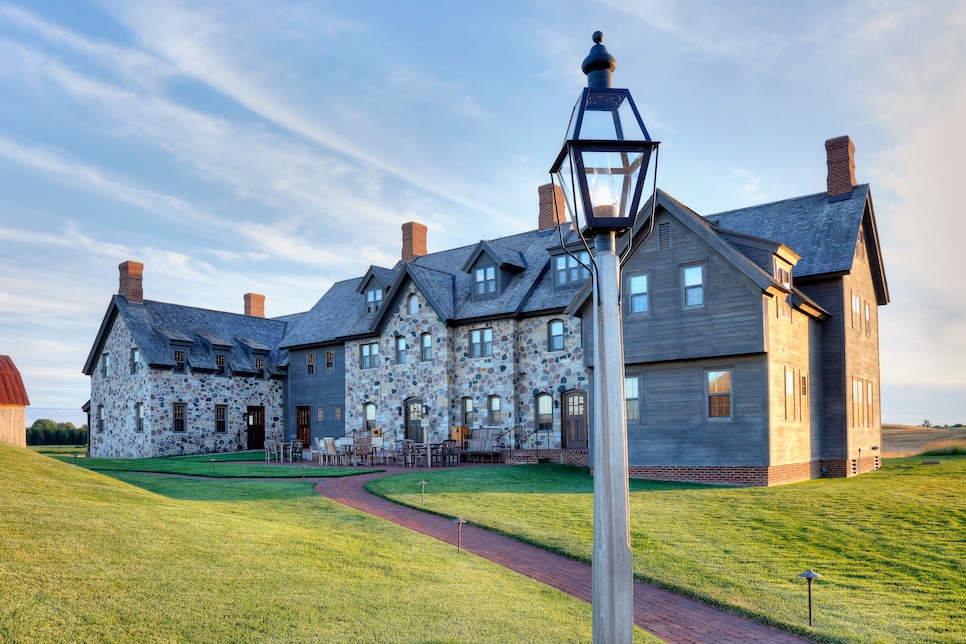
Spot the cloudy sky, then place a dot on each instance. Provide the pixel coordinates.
(277, 146)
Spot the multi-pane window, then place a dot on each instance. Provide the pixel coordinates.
(426, 347)
(856, 311)
(632, 398)
(638, 291)
(413, 304)
(310, 363)
(484, 279)
(135, 355)
(370, 355)
(493, 415)
(401, 349)
(221, 418)
(466, 411)
(138, 417)
(570, 270)
(858, 407)
(179, 361)
(481, 343)
(543, 404)
(784, 275)
(100, 418)
(373, 300)
(369, 414)
(105, 363)
(221, 365)
(719, 393)
(869, 409)
(693, 280)
(329, 361)
(789, 394)
(260, 367)
(803, 388)
(337, 412)
(555, 335)
(179, 412)
(320, 413)
(868, 319)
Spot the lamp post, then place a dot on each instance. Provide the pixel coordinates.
(601, 170)
(809, 575)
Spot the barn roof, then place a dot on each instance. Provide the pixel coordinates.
(12, 391)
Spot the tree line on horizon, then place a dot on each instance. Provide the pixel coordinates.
(47, 432)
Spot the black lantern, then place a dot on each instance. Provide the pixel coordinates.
(603, 163)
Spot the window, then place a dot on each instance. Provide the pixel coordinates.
(632, 398)
(484, 279)
(179, 361)
(260, 367)
(135, 355)
(221, 418)
(138, 417)
(869, 415)
(789, 394)
(543, 404)
(555, 335)
(719, 393)
(310, 363)
(693, 279)
(493, 415)
(105, 363)
(179, 416)
(337, 412)
(783, 274)
(221, 367)
(803, 380)
(858, 407)
(370, 355)
(426, 344)
(481, 343)
(868, 319)
(329, 361)
(413, 304)
(401, 349)
(369, 414)
(569, 270)
(638, 288)
(320, 413)
(100, 418)
(856, 311)
(466, 411)
(373, 300)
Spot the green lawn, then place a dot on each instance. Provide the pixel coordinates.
(89, 558)
(891, 545)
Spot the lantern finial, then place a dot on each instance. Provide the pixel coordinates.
(599, 64)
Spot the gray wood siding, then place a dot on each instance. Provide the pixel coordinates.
(675, 429)
(730, 322)
(320, 388)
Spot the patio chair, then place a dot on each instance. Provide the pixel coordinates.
(449, 453)
(362, 450)
(297, 452)
(330, 452)
(411, 456)
(269, 450)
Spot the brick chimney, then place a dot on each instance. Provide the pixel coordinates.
(553, 210)
(840, 155)
(413, 241)
(130, 278)
(255, 305)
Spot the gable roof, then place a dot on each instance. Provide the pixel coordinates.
(12, 391)
(155, 325)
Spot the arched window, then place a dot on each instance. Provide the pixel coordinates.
(466, 411)
(413, 304)
(543, 419)
(369, 415)
(493, 415)
(555, 335)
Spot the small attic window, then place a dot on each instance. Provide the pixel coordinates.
(569, 270)
(179, 364)
(221, 365)
(484, 282)
(373, 300)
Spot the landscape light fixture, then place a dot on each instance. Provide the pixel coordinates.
(809, 575)
(422, 491)
(459, 533)
(212, 461)
(601, 170)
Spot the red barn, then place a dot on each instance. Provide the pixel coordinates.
(13, 404)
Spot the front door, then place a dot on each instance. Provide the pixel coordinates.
(575, 420)
(256, 428)
(303, 425)
(414, 420)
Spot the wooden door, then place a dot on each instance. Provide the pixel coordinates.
(575, 419)
(414, 420)
(256, 428)
(303, 425)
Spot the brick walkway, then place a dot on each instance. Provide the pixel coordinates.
(671, 617)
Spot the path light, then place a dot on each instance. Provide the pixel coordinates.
(212, 461)
(303, 472)
(459, 532)
(810, 575)
(75, 458)
(422, 491)
(601, 171)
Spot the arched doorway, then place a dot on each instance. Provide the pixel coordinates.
(414, 420)
(574, 433)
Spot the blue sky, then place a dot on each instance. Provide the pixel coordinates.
(277, 146)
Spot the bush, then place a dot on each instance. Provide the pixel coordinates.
(46, 432)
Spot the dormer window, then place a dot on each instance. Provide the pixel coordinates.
(569, 270)
(221, 365)
(373, 300)
(413, 304)
(179, 365)
(783, 273)
(260, 368)
(484, 281)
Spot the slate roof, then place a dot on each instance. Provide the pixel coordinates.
(12, 391)
(156, 325)
(823, 232)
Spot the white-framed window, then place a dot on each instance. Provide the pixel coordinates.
(310, 363)
(373, 300)
(493, 415)
(369, 415)
(105, 363)
(179, 364)
(484, 281)
(329, 361)
(569, 270)
(221, 418)
(858, 404)
(221, 365)
(260, 367)
(179, 413)
(481, 343)
(868, 318)
(803, 393)
(790, 389)
(413, 304)
(632, 398)
(692, 279)
(555, 335)
(783, 274)
(718, 393)
(466, 411)
(369, 355)
(401, 349)
(426, 347)
(638, 301)
(135, 359)
(337, 412)
(543, 418)
(138, 417)
(856, 311)
(320, 413)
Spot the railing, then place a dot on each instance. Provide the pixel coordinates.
(538, 432)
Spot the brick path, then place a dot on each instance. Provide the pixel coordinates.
(671, 617)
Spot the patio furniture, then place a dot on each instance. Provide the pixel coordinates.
(449, 453)
(483, 444)
(330, 452)
(362, 450)
(270, 451)
(413, 454)
(296, 451)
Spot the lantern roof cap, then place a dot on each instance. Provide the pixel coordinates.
(599, 64)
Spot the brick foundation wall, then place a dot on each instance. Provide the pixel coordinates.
(577, 457)
(744, 476)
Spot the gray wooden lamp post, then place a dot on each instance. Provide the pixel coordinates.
(601, 170)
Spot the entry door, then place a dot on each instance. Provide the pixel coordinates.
(414, 420)
(575, 420)
(303, 425)
(256, 428)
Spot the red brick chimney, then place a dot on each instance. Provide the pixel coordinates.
(553, 210)
(130, 278)
(255, 305)
(840, 155)
(413, 241)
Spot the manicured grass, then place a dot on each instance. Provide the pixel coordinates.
(202, 466)
(891, 545)
(59, 450)
(88, 558)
